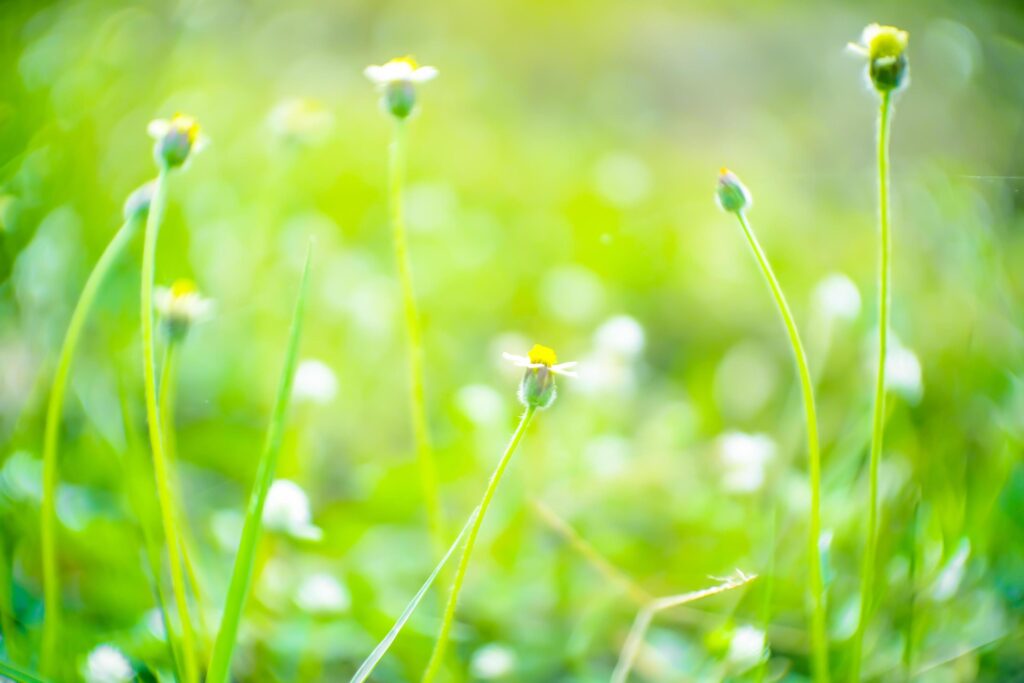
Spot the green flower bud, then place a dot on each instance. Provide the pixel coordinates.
(137, 204)
(537, 388)
(397, 81)
(886, 50)
(732, 195)
(176, 139)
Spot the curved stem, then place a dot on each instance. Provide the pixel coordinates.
(413, 333)
(878, 414)
(437, 657)
(161, 466)
(819, 634)
(51, 440)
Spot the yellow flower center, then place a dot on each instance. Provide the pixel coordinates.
(543, 355)
(887, 41)
(187, 125)
(408, 59)
(182, 288)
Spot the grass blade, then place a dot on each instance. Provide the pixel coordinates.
(17, 675)
(366, 668)
(241, 574)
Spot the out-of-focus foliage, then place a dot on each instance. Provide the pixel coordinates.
(561, 178)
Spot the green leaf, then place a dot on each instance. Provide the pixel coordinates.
(366, 668)
(241, 574)
(17, 675)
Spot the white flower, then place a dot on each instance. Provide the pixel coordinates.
(287, 511)
(746, 648)
(621, 335)
(314, 382)
(542, 357)
(837, 297)
(400, 70)
(903, 371)
(322, 594)
(180, 306)
(106, 664)
(177, 139)
(492, 661)
(743, 458)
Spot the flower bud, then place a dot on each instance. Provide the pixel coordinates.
(397, 81)
(180, 306)
(137, 204)
(537, 388)
(732, 195)
(886, 50)
(176, 139)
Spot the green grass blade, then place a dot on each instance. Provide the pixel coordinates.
(17, 675)
(241, 574)
(366, 668)
(51, 437)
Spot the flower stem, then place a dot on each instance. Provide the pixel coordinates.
(878, 414)
(242, 571)
(161, 466)
(414, 336)
(819, 634)
(437, 657)
(51, 440)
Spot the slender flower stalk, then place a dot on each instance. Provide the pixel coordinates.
(245, 559)
(888, 72)
(733, 197)
(536, 391)
(176, 139)
(397, 81)
(135, 211)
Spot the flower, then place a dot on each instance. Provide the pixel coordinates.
(746, 648)
(181, 306)
(537, 390)
(397, 81)
(106, 664)
(492, 661)
(287, 511)
(837, 298)
(732, 195)
(886, 50)
(322, 594)
(314, 382)
(903, 372)
(137, 204)
(743, 458)
(176, 139)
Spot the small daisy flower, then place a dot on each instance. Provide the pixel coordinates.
(321, 594)
(180, 306)
(886, 50)
(177, 138)
(492, 661)
(537, 389)
(314, 382)
(287, 511)
(397, 81)
(732, 195)
(106, 664)
(137, 204)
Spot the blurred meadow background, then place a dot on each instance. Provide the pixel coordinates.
(560, 182)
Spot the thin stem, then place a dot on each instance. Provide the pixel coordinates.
(51, 441)
(437, 657)
(161, 466)
(635, 639)
(243, 569)
(878, 414)
(168, 395)
(414, 337)
(819, 634)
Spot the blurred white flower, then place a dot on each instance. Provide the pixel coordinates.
(322, 594)
(480, 403)
(400, 70)
(180, 306)
(746, 648)
(287, 511)
(315, 382)
(301, 120)
(621, 335)
(106, 664)
(743, 458)
(492, 661)
(836, 297)
(903, 371)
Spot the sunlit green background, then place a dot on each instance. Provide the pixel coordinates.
(561, 174)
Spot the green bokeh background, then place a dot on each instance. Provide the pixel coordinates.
(561, 173)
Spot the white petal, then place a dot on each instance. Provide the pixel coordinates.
(521, 361)
(559, 370)
(158, 128)
(424, 74)
(375, 74)
(857, 49)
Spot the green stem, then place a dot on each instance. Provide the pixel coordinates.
(242, 572)
(161, 466)
(437, 657)
(414, 336)
(51, 441)
(819, 634)
(168, 394)
(878, 414)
